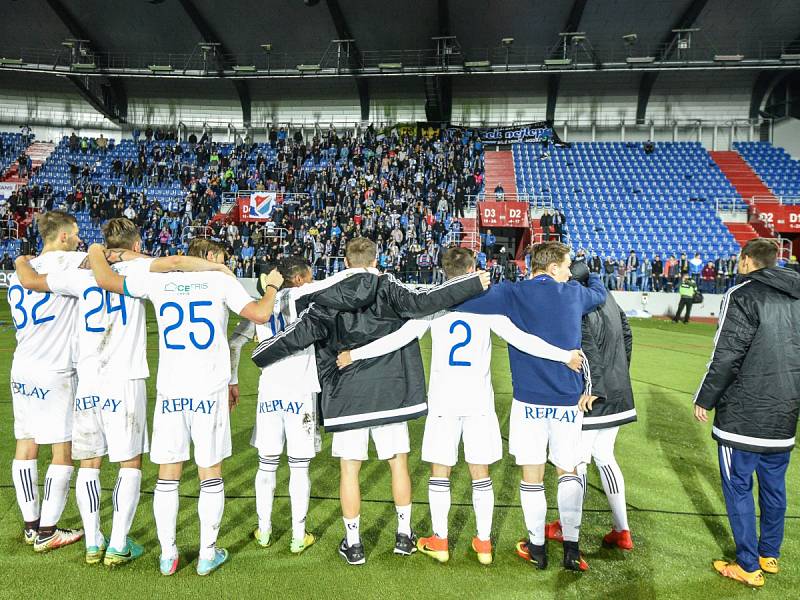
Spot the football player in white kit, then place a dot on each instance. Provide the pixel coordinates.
(43, 386)
(461, 403)
(192, 386)
(109, 416)
(285, 412)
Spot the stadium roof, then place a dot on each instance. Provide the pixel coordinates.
(115, 42)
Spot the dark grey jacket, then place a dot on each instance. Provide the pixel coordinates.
(753, 379)
(350, 314)
(607, 342)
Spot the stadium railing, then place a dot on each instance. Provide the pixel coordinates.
(193, 231)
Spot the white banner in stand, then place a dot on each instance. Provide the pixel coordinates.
(7, 188)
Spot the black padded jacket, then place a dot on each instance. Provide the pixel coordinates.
(356, 311)
(753, 379)
(607, 342)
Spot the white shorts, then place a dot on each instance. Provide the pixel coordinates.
(599, 443)
(110, 418)
(534, 428)
(483, 444)
(290, 421)
(389, 440)
(43, 407)
(202, 421)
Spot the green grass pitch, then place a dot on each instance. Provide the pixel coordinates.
(670, 466)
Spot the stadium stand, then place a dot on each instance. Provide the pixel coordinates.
(617, 198)
(775, 167)
(399, 191)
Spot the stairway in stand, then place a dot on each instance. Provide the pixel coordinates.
(470, 238)
(749, 186)
(499, 168)
(39, 152)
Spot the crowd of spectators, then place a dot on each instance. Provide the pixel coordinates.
(400, 190)
(636, 273)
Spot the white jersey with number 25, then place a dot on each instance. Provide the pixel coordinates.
(192, 313)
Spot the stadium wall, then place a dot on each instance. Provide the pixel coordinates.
(786, 133)
(657, 304)
(592, 105)
(662, 304)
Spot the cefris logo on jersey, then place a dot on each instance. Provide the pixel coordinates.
(184, 288)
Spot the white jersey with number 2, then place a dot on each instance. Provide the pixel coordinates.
(461, 354)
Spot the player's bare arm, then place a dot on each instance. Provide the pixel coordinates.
(113, 256)
(187, 264)
(259, 312)
(28, 277)
(105, 276)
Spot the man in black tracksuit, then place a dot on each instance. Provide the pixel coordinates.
(607, 342)
(753, 387)
(372, 398)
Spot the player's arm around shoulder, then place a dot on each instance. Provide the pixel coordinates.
(188, 264)
(28, 277)
(314, 324)
(259, 311)
(594, 294)
(412, 330)
(532, 344)
(493, 301)
(105, 276)
(415, 304)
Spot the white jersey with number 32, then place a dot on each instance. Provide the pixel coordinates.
(192, 312)
(45, 323)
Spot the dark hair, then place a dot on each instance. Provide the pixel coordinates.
(762, 251)
(457, 261)
(290, 267)
(360, 252)
(547, 253)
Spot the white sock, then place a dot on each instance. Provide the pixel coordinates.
(56, 488)
(582, 474)
(165, 511)
(351, 530)
(614, 487)
(87, 493)
(25, 474)
(210, 507)
(126, 500)
(439, 500)
(299, 493)
(266, 477)
(403, 519)
(534, 509)
(570, 506)
(483, 505)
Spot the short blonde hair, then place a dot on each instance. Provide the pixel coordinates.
(200, 247)
(120, 233)
(52, 223)
(361, 252)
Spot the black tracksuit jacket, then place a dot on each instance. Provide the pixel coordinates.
(358, 310)
(753, 379)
